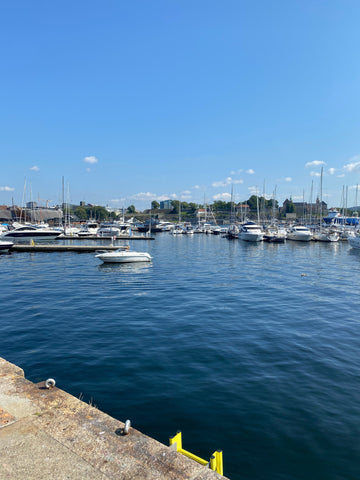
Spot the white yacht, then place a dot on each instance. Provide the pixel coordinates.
(299, 233)
(89, 229)
(250, 232)
(124, 256)
(188, 229)
(274, 234)
(178, 230)
(24, 232)
(113, 229)
(326, 235)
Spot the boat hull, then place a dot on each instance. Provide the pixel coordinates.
(32, 235)
(251, 237)
(124, 257)
(5, 246)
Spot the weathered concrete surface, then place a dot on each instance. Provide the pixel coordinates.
(49, 434)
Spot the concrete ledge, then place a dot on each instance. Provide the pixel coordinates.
(48, 433)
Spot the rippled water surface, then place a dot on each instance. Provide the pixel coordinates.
(249, 348)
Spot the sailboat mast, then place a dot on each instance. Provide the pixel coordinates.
(232, 205)
(273, 206)
(356, 195)
(311, 200)
(257, 206)
(63, 202)
(22, 204)
(321, 182)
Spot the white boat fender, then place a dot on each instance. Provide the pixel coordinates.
(50, 383)
(127, 427)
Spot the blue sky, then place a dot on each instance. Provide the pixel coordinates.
(133, 101)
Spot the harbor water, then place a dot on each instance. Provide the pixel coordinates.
(248, 348)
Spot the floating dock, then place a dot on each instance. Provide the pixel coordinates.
(95, 237)
(47, 433)
(63, 248)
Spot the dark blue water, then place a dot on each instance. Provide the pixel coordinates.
(249, 348)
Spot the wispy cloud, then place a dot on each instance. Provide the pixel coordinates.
(143, 196)
(90, 159)
(222, 196)
(288, 179)
(35, 168)
(227, 181)
(331, 171)
(315, 163)
(7, 189)
(250, 171)
(315, 174)
(148, 196)
(236, 172)
(254, 190)
(353, 165)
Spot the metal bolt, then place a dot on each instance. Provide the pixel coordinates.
(127, 427)
(50, 383)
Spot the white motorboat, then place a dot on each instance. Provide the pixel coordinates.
(178, 230)
(232, 232)
(250, 232)
(354, 241)
(275, 235)
(326, 235)
(299, 233)
(89, 229)
(5, 246)
(25, 232)
(121, 256)
(109, 230)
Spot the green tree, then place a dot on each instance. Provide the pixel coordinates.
(98, 212)
(252, 202)
(131, 209)
(270, 203)
(155, 205)
(81, 213)
(193, 207)
(290, 207)
(175, 204)
(219, 205)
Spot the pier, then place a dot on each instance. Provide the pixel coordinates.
(63, 248)
(47, 433)
(96, 237)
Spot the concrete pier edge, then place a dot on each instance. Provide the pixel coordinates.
(49, 434)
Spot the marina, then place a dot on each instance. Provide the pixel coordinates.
(247, 347)
(180, 241)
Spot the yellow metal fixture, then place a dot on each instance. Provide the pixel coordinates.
(216, 460)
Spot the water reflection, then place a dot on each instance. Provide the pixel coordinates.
(139, 267)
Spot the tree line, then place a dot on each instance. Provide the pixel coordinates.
(187, 209)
